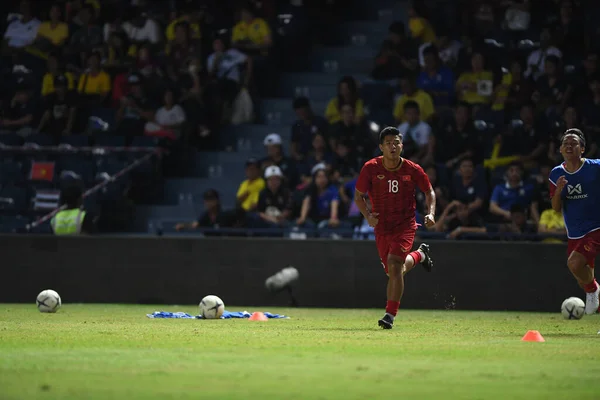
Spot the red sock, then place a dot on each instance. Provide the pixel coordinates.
(392, 307)
(416, 256)
(591, 287)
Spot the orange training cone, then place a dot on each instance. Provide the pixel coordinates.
(258, 316)
(533, 336)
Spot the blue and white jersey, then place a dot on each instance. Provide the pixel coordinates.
(580, 197)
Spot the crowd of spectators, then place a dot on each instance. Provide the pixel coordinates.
(481, 100)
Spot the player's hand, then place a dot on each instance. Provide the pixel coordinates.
(561, 183)
(372, 219)
(429, 220)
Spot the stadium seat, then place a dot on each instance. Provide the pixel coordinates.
(14, 199)
(105, 140)
(11, 173)
(145, 141)
(11, 139)
(39, 139)
(76, 140)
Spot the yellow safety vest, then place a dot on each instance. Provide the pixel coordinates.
(68, 222)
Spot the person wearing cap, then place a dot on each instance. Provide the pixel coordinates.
(247, 194)
(307, 125)
(73, 219)
(60, 110)
(275, 156)
(212, 217)
(274, 201)
(136, 109)
(19, 115)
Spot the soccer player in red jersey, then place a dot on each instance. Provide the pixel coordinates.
(390, 182)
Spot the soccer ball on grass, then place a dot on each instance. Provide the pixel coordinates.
(211, 307)
(48, 301)
(573, 308)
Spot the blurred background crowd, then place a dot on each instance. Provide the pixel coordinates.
(268, 109)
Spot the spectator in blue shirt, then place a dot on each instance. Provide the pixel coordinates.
(436, 79)
(513, 192)
(468, 187)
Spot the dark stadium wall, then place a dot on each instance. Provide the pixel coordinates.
(467, 275)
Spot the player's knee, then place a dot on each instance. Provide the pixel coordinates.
(395, 266)
(576, 262)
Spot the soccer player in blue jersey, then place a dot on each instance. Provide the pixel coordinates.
(575, 191)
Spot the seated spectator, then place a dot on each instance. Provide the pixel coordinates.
(347, 94)
(345, 166)
(570, 120)
(398, 55)
(513, 192)
(537, 58)
(417, 139)
(411, 93)
(118, 53)
(319, 154)
(75, 9)
(457, 138)
(88, 37)
(60, 110)
(321, 203)
(542, 200)
(94, 84)
(584, 75)
(190, 16)
(529, 139)
(251, 35)
(52, 34)
(436, 79)
(420, 29)
(113, 18)
(354, 133)
(275, 201)
(441, 192)
(18, 114)
(275, 156)
(54, 70)
(136, 109)
(552, 222)
(213, 215)
(142, 28)
(518, 222)
(183, 47)
(229, 70)
(457, 220)
(249, 190)
(520, 89)
(501, 91)
(168, 120)
(447, 49)
(552, 92)
(21, 31)
(570, 30)
(590, 109)
(476, 86)
(468, 188)
(307, 125)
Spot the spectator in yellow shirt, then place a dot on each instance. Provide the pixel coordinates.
(53, 33)
(347, 94)
(420, 29)
(552, 222)
(94, 82)
(55, 69)
(192, 18)
(251, 35)
(411, 93)
(476, 87)
(249, 191)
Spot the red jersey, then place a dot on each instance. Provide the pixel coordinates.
(392, 193)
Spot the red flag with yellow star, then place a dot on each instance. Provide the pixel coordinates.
(42, 171)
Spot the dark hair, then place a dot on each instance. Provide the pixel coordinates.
(71, 193)
(575, 132)
(431, 49)
(301, 102)
(515, 164)
(353, 90)
(464, 104)
(553, 59)
(412, 104)
(389, 131)
(466, 158)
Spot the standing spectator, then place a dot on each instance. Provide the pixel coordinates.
(136, 109)
(18, 116)
(411, 93)
(354, 134)
(417, 140)
(275, 201)
(21, 32)
(94, 84)
(398, 55)
(513, 192)
(457, 139)
(55, 69)
(60, 110)
(52, 34)
(306, 126)
(537, 58)
(347, 93)
(436, 79)
(468, 188)
(250, 188)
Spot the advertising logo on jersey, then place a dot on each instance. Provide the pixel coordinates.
(575, 192)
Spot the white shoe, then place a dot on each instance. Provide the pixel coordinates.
(592, 302)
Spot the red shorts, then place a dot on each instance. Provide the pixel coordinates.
(588, 246)
(397, 244)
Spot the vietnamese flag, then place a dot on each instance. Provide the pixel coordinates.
(42, 171)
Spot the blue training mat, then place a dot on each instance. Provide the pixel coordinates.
(226, 315)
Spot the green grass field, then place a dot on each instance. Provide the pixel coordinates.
(115, 352)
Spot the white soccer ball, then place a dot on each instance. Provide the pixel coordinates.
(48, 301)
(573, 308)
(211, 307)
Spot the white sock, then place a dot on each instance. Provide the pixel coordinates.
(422, 254)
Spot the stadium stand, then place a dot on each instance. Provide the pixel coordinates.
(299, 85)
